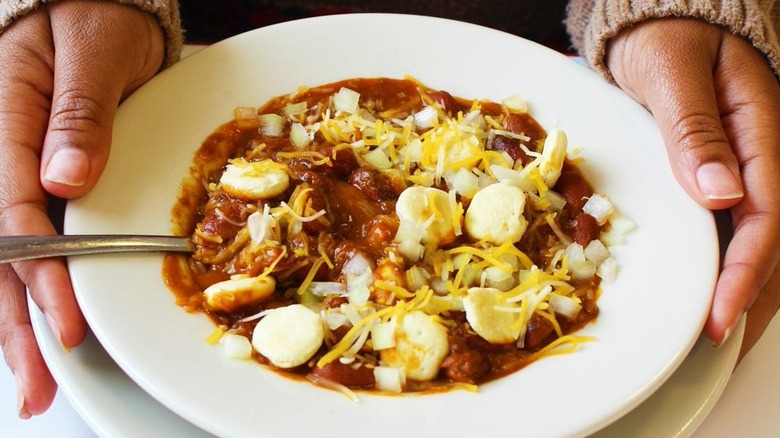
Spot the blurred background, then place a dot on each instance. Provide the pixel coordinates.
(207, 21)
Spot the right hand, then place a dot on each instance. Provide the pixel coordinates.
(65, 68)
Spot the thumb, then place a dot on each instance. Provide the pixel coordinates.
(111, 51)
(674, 78)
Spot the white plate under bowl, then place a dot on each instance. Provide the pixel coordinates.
(650, 317)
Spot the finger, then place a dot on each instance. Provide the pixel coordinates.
(673, 77)
(761, 312)
(22, 199)
(751, 114)
(35, 386)
(684, 104)
(96, 64)
(26, 54)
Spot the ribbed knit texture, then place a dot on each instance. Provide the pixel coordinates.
(592, 23)
(166, 11)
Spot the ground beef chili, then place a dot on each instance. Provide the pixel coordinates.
(355, 196)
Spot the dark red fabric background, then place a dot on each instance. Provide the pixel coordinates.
(207, 21)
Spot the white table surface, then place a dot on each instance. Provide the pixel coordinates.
(749, 406)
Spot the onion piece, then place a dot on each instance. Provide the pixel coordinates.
(390, 379)
(596, 252)
(294, 109)
(600, 207)
(513, 178)
(464, 183)
(378, 159)
(383, 335)
(516, 103)
(557, 202)
(236, 346)
(271, 124)
(424, 119)
(334, 318)
(298, 136)
(346, 100)
(246, 117)
(565, 306)
(261, 226)
(607, 270)
(580, 267)
(325, 288)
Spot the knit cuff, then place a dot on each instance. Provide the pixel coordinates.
(166, 11)
(591, 23)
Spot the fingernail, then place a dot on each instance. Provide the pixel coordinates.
(726, 335)
(55, 330)
(68, 166)
(20, 407)
(717, 181)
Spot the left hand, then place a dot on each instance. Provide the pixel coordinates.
(717, 104)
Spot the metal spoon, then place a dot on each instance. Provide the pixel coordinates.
(20, 248)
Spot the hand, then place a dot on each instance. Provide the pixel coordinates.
(717, 104)
(65, 68)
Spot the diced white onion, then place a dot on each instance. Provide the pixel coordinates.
(346, 100)
(378, 159)
(575, 253)
(424, 118)
(413, 149)
(516, 103)
(464, 183)
(236, 346)
(246, 117)
(334, 318)
(596, 252)
(357, 265)
(498, 278)
(600, 207)
(271, 124)
(261, 226)
(513, 178)
(294, 109)
(621, 223)
(566, 306)
(579, 267)
(607, 270)
(412, 250)
(390, 379)
(360, 277)
(417, 277)
(557, 202)
(325, 288)
(383, 335)
(439, 286)
(582, 270)
(298, 136)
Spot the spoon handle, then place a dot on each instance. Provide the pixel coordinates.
(20, 248)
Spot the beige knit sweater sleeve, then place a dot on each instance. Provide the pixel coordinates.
(592, 23)
(166, 11)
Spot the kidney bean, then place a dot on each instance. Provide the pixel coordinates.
(446, 101)
(373, 183)
(574, 189)
(464, 364)
(586, 229)
(539, 329)
(512, 147)
(353, 375)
